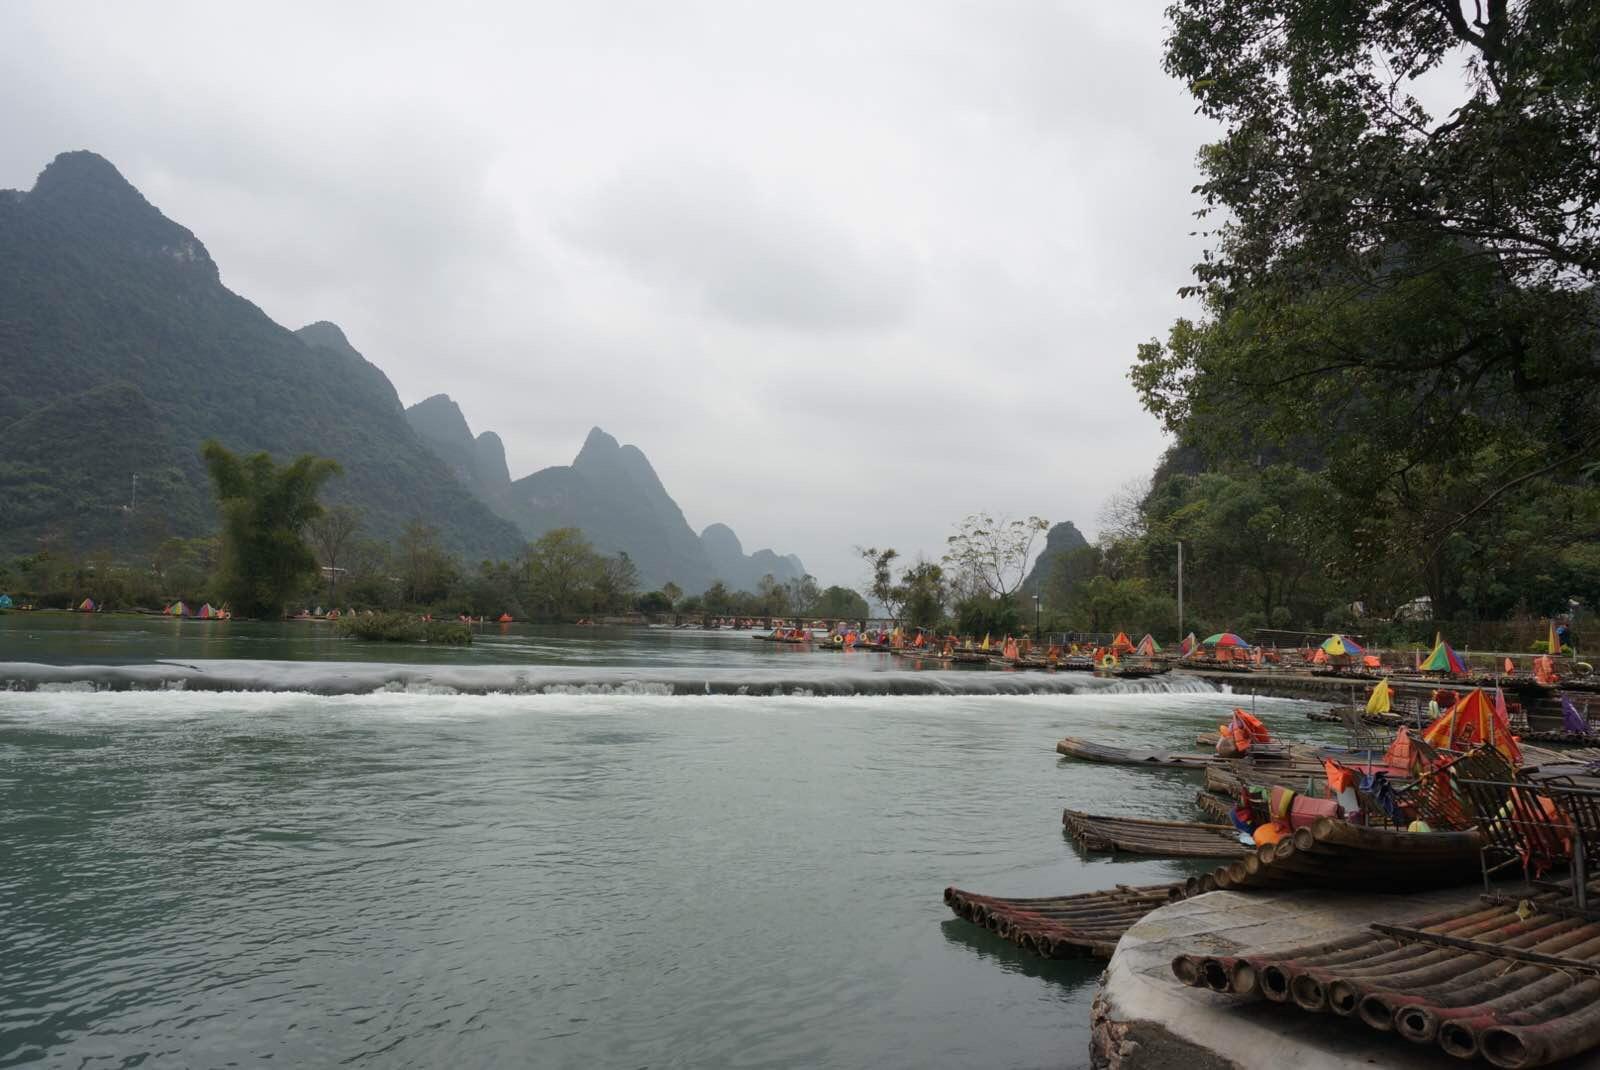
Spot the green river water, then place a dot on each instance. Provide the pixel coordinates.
(237, 844)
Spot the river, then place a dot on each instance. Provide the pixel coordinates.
(227, 843)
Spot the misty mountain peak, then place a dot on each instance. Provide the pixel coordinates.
(721, 543)
(83, 172)
(84, 192)
(440, 418)
(325, 334)
(598, 446)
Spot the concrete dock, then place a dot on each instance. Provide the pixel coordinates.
(1144, 1019)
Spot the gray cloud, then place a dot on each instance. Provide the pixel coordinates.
(747, 251)
(846, 272)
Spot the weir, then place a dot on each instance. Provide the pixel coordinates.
(357, 678)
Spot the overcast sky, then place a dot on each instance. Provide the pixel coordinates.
(844, 271)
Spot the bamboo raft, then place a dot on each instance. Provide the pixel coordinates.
(1107, 754)
(1064, 927)
(1214, 806)
(1142, 836)
(1495, 980)
(1334, 854)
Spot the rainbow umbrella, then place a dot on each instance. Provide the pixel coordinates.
(1225, 639)
(1443, 659)
(1338, 646)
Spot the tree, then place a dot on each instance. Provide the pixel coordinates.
(882, 586)
(558, 572)
(265, 508)
(1419, 289)
(840, 603)
(673, 592)
(717, 599)
(993, 554)
(330, 534)
(802, 595)
(771, 598)
(925, 594)
(426, 570)
(615, 582)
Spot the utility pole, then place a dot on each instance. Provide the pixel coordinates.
(133, 503)
(1180, 591)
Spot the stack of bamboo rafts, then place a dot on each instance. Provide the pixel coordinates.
(1517, 983)
(1143, 836)
(1334, 854)
(1064, 927)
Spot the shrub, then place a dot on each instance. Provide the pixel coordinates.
(404, 628)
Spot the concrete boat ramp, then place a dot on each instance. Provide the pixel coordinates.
(1144, 1019)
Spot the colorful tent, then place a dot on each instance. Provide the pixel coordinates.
(1226, 639)
(86, 606)
(1443, 659)
(1122, 644)
(177, 609)
(1470, 722)
(1378, 701)
(1148, 647)
(1336, 646)
(206, 612)
(1188, 645)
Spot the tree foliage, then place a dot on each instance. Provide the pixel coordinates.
(265, 508)
(991, 555)
(1399, 300)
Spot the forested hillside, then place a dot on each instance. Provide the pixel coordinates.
(122, 351)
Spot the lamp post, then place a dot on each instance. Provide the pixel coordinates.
(1036, 619)
(1180, 591)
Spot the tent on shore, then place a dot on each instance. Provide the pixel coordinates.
(206, 612)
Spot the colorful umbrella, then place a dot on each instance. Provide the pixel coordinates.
(1226, 639)
(1337, 646)
(1472, 721)
(1148, 647)
(1443, 659)
(1122, 644)
(1189, 643)
(1378, 701)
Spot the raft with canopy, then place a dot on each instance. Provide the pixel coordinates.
(86, 606)
(178, 609)
(1148, 647)
(1188, 645)
(1122, 644)
(206, 612)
